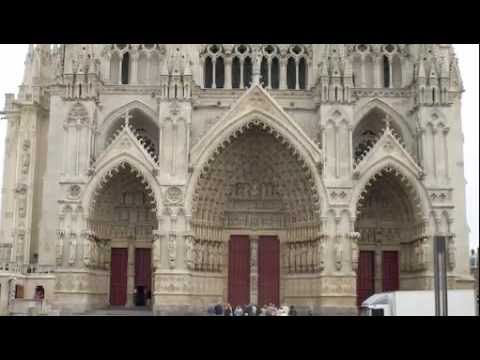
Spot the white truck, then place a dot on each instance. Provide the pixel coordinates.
(417, 303)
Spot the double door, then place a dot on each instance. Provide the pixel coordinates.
(119, 274)
(240, 270)
(366, 274)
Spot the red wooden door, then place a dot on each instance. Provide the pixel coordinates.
(365, 276)
(268, 270)
(239, 270)
(143, 269)
(118, 276)
(391, 276)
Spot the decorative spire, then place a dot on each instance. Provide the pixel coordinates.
(421, 69)
(187, 71)
(27, 73)
(164, 70)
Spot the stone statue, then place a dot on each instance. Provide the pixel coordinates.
(172, 251)
(417, 255)
(87, 252)
(304, 257)
(196, 255)
(451, 253)
(202, 255)
(72, 249)
(291, 253)
(220, 256)
(59, 247)
(156, 249)
(338, 253)
(211, 256)
(22, 206)
(355, 236)
(26, 157)
(319, 254)
(189, 252)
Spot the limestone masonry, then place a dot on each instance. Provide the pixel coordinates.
(305, 174)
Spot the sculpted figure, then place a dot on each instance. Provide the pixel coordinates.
(211, 256)
(73, 246)
(451, 253)
(156, 249)
(338, 253)
(189, 252)
(355, 253)
(172, 251)
(220, 256)
(59, 248)
(309, 256)
(321, 253)
(87, 252)
(291, 263)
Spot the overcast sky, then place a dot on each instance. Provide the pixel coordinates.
(11, 73)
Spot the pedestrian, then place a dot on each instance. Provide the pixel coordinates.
(211, 310)
(219, 309)
(293, 311)
(238, 311)
(228, 310)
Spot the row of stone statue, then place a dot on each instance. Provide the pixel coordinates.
(414, 256)
(310, 256)
(96, 252)
(204, 255)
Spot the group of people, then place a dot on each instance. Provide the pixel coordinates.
(251, 310)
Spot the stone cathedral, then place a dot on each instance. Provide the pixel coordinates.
(306, 174)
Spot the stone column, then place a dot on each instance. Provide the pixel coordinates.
(254, 269)
(283, 73)
(130, 272)
(228, 72)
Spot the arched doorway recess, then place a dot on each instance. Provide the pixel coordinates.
(123, 212)
(257, 199)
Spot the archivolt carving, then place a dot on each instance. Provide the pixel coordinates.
(257, 181)
(123, 204)
(409, 190)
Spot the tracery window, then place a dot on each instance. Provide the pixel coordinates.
(240, 67)
(296, 68)
(214, 68)
(375, 66)
(147, 59)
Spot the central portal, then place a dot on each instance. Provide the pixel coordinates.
(244, 265)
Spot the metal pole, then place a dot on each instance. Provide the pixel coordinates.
(443, 275)
(440, 276)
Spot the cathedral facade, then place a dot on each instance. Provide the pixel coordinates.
(305, 174)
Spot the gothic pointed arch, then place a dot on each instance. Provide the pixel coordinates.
(398, 120)
(109, 169)
(111, 119)
(407, 175)
(256, 108)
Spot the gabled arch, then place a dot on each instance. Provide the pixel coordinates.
(411, 177)
(133, 105)
(108, 170)
(396, 118)
(206, 152)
